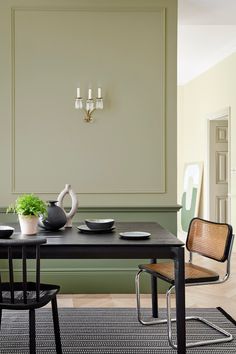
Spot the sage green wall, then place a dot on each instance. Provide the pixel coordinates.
(209, 93)
(128, 47)
(127, 156)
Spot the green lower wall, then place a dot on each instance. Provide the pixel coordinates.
(102, 276)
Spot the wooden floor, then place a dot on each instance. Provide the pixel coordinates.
(223, 295)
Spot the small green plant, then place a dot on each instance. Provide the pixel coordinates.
(28, 204)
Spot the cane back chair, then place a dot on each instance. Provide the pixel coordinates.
(209, 239)
(24, 294)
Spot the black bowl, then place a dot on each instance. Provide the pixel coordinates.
(99, 224)
(6, 231)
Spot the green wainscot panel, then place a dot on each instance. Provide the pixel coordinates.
(83, 280)
(101, 276)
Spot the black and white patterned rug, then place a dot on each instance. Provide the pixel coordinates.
(106, 331)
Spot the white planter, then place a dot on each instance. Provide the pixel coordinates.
(28, 224)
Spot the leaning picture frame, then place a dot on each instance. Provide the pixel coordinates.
(192, 184)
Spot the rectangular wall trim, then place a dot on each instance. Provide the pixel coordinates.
(19, 184)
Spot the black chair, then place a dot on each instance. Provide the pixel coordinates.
(208, 239)
(27, 295)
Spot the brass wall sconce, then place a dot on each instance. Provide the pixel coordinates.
(91, 103)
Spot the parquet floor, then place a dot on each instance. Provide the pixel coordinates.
(223, 295)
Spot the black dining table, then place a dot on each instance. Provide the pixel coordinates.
(70, 243)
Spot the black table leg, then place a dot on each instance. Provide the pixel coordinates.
(154, 293)
(180, 300)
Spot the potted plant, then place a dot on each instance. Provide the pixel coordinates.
(29, 208)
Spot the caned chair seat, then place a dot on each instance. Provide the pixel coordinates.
(193, 272)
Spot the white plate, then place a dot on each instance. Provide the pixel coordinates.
(135, 234)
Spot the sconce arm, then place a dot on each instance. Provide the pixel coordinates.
(88, 115)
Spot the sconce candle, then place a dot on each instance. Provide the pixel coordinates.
(78, 92)
(90, 94)
(99, 92)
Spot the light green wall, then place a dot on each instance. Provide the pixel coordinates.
(209, 93)
(127, 157)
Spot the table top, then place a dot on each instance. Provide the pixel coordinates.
(72, 236)
(69, 243)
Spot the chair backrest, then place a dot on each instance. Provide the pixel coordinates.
(24, 249)
(209, 239)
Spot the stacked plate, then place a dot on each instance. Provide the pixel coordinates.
(97, 226)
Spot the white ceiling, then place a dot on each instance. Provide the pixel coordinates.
(206, 35)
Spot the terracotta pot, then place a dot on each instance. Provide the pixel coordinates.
(28, 224)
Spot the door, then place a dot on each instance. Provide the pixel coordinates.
(218, 171)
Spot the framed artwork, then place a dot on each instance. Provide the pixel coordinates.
(191, 193)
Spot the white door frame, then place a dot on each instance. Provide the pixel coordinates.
(223, 114)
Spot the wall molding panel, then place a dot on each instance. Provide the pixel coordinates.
(127, 156)
(151, 178)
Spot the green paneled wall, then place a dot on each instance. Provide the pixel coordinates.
(127, 156)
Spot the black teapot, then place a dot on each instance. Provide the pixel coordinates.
(55, 219)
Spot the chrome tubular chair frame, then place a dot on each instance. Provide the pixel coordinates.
(227, 336)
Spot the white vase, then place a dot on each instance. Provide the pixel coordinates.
(74, 201)
(28, 224)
